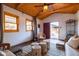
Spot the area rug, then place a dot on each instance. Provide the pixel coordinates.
(54, 51)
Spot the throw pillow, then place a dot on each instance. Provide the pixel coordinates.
(2, 53)
(73, 42)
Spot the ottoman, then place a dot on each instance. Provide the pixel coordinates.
(43, 47)
(48, 43)
(36, 50)
(60, 45)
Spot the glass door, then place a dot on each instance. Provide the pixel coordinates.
(54, 30)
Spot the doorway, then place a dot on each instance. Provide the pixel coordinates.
(54, 30)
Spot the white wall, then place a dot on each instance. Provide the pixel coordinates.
(38, 22)
(61, 18)
(77, 18)
(15, 38)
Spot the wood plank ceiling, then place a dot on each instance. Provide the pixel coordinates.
(30, 9)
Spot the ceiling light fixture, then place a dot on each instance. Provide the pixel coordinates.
(45, 8)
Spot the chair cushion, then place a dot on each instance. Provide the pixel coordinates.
(73, 42)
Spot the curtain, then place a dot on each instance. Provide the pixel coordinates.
(46, 30)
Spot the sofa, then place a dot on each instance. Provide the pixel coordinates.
(71, 51)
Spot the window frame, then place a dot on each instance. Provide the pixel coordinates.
(28, 25)
(17, 22)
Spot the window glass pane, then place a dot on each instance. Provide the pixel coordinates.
(10, 19)
(10, 26)
(28, 23)
(29, 28)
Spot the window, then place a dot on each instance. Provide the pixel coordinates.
(10, 22)
(29, 25)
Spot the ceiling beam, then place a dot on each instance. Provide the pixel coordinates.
(18, 9)
(18, 5)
